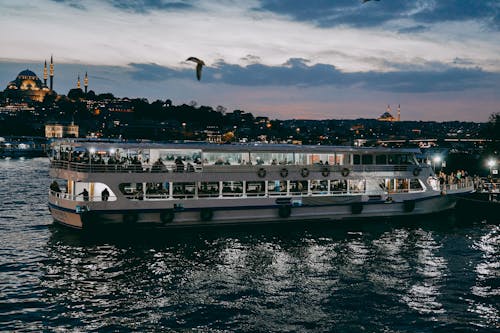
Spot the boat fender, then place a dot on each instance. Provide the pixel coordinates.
(261, 173)
(357, 208)
(130, 218)
(345, 172)
(325, 172)
(409, 206)
(284, 211)
(304, 172)
(206, 214)
(284, 172)
(167, 216)
(417, 171)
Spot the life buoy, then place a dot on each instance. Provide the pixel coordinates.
(167, 216)
(304, 172)
(345, 172)
(284, 172)
(284, 211)
(357, 208)
(130, 218)
(261, 173)
(206, 214)
(325, 172)
(409, 205)
(416, 171)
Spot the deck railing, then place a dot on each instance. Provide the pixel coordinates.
(89, 167)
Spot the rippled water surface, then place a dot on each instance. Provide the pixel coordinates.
(430, 275)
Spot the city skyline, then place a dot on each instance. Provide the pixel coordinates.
(323, 60)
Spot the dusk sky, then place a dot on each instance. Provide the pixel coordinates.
(323, 59)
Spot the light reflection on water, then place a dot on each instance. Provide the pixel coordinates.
(427, 275)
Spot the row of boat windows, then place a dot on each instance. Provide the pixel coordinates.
(170, 156)
(263, 188)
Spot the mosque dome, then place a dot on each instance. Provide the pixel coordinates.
(27, 85)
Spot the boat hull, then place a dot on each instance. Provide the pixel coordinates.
(168, 217)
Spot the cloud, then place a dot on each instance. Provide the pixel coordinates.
(296, 72)
(324, 13)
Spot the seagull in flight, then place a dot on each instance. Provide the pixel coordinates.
(199, 65)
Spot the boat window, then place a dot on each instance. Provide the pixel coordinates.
(357, 185)
(367, 159)
(157, 190)
(183, 190)
(318, 159)
(319, 186)
(277, 187)
(394, 159)
(232, 189)
(415, 185)
(264, 158)
(255, 189)
(356, 159)
(208, 189)
(298, 187)
(338, 186)
(225, 158)
(299, 158)
(397, 185)
(132, 190)
(380, 159)
(339, 159)
(170, 156)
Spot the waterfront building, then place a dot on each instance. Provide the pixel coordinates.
(61, 131)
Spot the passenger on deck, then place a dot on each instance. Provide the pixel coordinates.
(55, 187)
(105, 195)
(85, 194)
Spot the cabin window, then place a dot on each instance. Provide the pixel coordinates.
(132, 190)
(338, 186)
(357, 185)
(277, 187)
(224, 158)
(263, 158)
(298, 187)
(397, 185)
(208, 189)
(184, 190)
(380, 159)
(319, 186)
(157, 190)
(356, 159)
(367, 159)
(170, 156)
(415, 185)
(232, 189)
(339, 159)
(255, 188)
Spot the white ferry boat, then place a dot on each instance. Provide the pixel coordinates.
(175, 185)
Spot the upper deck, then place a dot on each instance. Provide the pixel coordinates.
(118, 157)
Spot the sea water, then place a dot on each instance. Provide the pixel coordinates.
(436, 274)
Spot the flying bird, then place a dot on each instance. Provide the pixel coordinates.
(199, 65)
(364, 1)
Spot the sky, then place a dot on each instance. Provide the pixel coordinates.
(315, 59)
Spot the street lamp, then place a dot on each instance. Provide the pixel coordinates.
(435, 160)
(491, 163)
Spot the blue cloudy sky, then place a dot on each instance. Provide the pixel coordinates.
(315, 59)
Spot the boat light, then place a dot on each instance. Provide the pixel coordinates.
(491, 162)
(436, 159)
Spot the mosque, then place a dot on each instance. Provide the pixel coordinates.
(387, 116)
(27, 86)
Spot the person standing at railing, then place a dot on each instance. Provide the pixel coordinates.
(105, 195)
(85, 194)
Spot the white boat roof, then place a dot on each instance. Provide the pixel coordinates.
(235, 147)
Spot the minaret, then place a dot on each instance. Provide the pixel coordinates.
(399, 112)
(86, 82)
(45, 74)
(388, 108)
(51, 73)
(78, 85)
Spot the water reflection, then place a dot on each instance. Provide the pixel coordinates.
(487, 284)
(421, 275)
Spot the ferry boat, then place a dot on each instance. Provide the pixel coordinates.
(195, 184)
